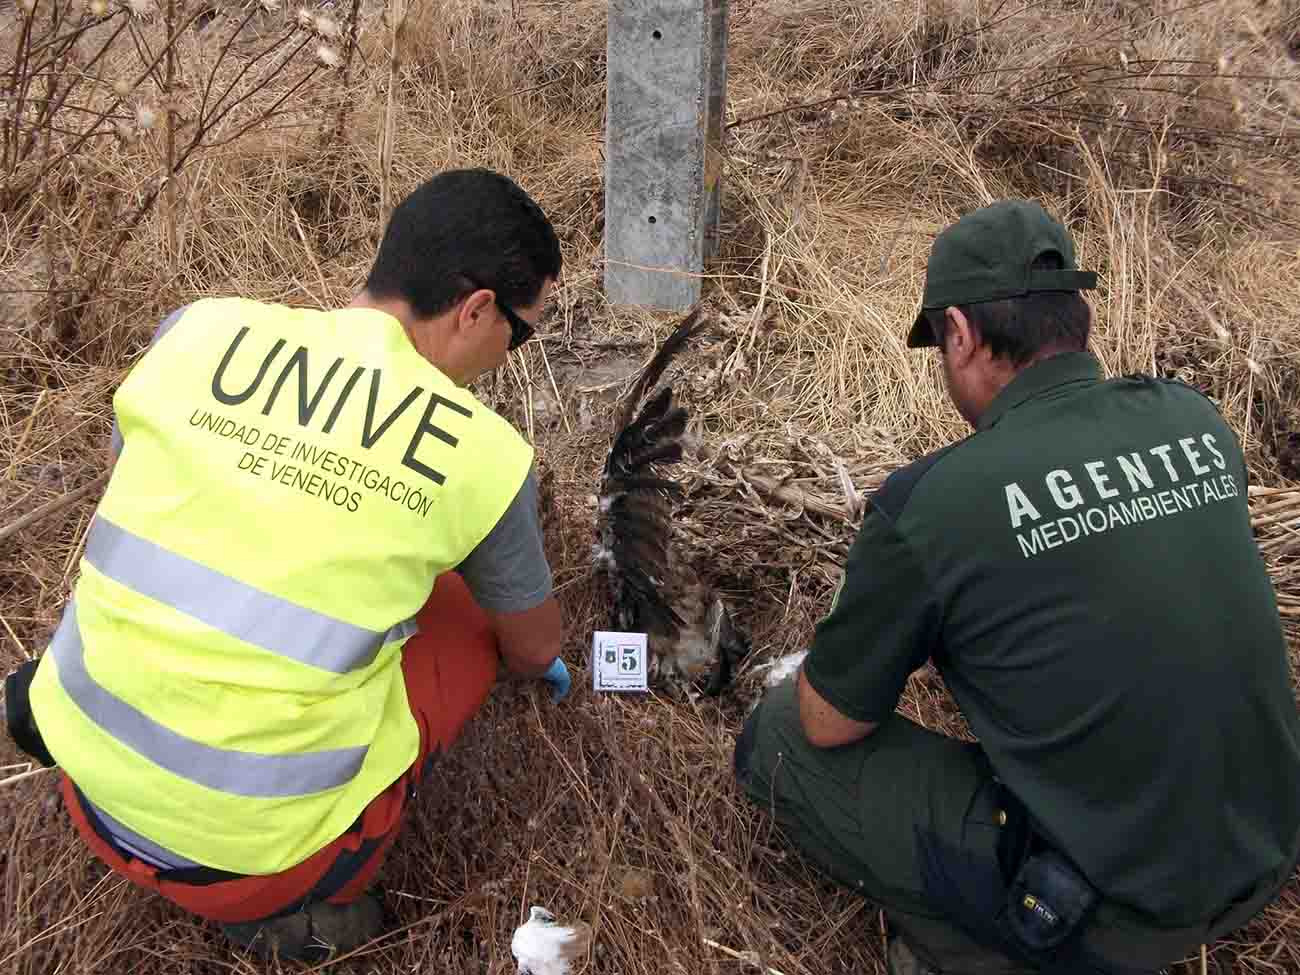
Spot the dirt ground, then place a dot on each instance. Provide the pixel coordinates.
(1165, 134)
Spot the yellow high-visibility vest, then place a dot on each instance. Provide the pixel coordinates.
(226, 680)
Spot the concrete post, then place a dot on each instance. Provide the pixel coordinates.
(667, 80)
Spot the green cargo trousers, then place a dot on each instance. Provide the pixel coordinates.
(859, 813)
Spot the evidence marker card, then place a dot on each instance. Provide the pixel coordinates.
(618, 661)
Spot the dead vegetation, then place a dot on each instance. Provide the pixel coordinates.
(1165, 133)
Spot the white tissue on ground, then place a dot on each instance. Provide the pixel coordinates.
(543, 947)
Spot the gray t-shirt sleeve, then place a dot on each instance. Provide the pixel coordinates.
(158, 333)
(507, 572)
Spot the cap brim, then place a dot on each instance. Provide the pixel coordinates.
(922, 335)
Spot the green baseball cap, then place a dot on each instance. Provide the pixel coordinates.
(985, 256)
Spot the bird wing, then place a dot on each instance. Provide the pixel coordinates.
(636, 498)
(686, 329)
(636, 510)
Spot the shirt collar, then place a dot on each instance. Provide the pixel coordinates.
(1041, 377)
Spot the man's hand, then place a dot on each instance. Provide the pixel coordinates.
(823, 725)
(529, 640)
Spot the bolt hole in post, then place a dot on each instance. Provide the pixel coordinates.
(658, 35)
(652, 219)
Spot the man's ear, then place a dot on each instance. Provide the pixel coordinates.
(474, 309)
(960, 343)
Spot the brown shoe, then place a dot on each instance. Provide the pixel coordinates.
(313, 933)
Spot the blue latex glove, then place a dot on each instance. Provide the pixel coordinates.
(558, 677)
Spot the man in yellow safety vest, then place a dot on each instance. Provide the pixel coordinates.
(267, 639)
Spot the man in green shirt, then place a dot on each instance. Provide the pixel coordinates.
(1081, 569)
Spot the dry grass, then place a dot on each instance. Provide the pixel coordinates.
(1166, 134)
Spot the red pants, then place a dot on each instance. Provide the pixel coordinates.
(449, 668)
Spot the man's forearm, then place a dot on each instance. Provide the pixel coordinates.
(527, 666)
(530, 640)
(823, 724)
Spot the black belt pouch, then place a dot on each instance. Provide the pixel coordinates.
(18, 715)
(1048, 901)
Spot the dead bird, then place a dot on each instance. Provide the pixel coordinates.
(692, 637)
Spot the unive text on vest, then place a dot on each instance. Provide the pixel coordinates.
(324, 404)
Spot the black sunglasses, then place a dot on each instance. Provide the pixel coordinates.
(520, 330)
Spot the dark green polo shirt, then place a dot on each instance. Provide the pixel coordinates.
(1082, 571)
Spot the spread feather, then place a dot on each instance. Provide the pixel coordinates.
(691, 633)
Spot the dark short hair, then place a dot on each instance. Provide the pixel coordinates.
(464, 226)
(1021, 329)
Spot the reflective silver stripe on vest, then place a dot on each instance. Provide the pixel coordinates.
(238, 773)
(233, 607)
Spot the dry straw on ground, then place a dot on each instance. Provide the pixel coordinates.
(1165, 134)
